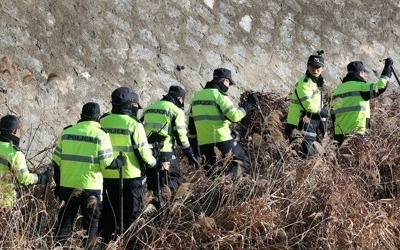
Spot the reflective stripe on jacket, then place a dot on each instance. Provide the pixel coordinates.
(212, 112)
(128, 136)
(169, 120)
(82, 151)
(350, 109)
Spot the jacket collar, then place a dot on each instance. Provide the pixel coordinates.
(353, 77)
(216, 85)
(173, 100)
(313, 78)
(10, 138)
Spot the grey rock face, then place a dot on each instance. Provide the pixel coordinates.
(57, 55)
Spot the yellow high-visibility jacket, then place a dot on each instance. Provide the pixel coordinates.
(12, 168)
(129, 137)
(212, 113)
(350, 105)
(306, 98)
(82, 152)
(169, 120)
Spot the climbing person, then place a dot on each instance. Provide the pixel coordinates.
(307, 112)
(349, 105)
(127, 136)
(210, 116)
(167, 117)
(82, 151)
(13, 168)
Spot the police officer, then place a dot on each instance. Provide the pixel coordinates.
(350, 109)
(166, 117)
(306, 109)
(13, 168)
(82, 152)
(210, 116)
(129, 137)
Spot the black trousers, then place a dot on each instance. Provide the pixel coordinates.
(173, 180)
(132, 206)
(88, 201)
(240, 158)
(310, 132)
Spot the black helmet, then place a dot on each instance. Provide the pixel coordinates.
(8, 123)
(316, 60)
(123, 95)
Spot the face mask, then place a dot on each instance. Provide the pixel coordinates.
(223, 87)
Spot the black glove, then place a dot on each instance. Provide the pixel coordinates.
(190, 155)
(155, 152)
(388, 62)
(50, 174)
(117, 162)
(158, 167)
(247, 106)
(387, 70)
(120, 160)
(253, 99)
(42, 178)
(323, 113)
(156, 148)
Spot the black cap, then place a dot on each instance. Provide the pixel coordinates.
(8, 123)
(177, 91)
(223, 73)
(124, 95)
(355, 67)
(90, 111)
(315, 60)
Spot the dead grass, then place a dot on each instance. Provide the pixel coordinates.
(343, 199)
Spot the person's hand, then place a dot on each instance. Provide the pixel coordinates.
(50, 174)
(191, 157)
(323, 113)
(387, 70)
(118, 162)
(253, 99)
(252, 102)
(388, 62)
(42, 178)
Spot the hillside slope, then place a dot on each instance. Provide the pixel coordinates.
(57, 55)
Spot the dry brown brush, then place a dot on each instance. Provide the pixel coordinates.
(344, 198)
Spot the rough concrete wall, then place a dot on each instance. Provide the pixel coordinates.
(58, 54)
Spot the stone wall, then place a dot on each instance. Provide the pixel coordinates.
(57, 55)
